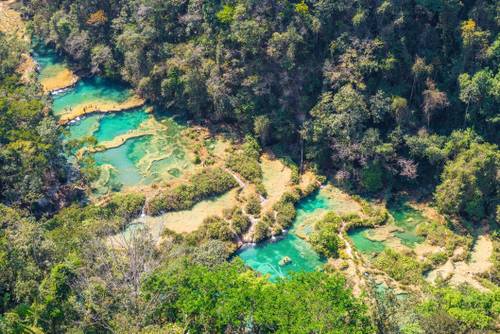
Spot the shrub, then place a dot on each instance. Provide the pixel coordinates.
(438, 258)
(246, 161)
(262, 229)
(216, 228)
(437, 234)
(240, 223)
(253, 206)
(126, 206)
(285, 213)
(325, 239)
(247, 167)
(259, 187)
(210, 182)
(401, 267)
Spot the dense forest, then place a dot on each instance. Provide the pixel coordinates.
(378, 96)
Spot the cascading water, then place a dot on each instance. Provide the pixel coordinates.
(143, 148)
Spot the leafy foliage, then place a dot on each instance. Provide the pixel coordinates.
(399, 266)
(209, 182)
(233, 300)
(470, 182)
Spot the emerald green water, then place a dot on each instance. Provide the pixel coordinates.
(49, 62)
(88, 90)
(265, 257)
(124, 159)
(85, 128)
(360, 239)
(45, 58)
(117, 124)
(407, 219)
(139, 160)
(107, 127)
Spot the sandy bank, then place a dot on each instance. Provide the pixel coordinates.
(465, 272)
(276, 180)
(85, 109)
(60, 77)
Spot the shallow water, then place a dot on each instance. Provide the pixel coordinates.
(87, 91)
(359, 237)
(116, 124)
(157, 151)
(265, 257)
(48, 61)
(407, 219)
(142, 160)
(314, 207)
(84, 128)
(126, 172)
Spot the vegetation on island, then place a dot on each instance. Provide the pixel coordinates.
(209, 182)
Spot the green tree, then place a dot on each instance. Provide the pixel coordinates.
(469, 183)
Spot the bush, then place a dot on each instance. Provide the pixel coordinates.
(253, 206)
(126, 206)
(99, 219)
(437, 234)
(438, 258)
(216, 228)
(210, 182)
(246, 161)
(247, 167)
(240, 223)
(285, 213)
(262, 229)
(261, 189)
(401, 267)
(325, 239)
